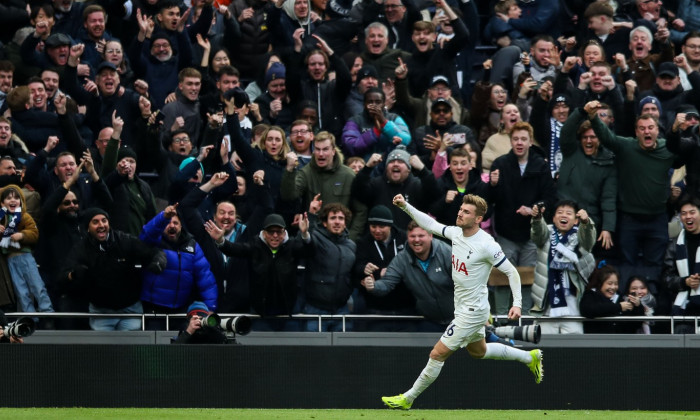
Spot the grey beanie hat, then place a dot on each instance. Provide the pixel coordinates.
(401, 154)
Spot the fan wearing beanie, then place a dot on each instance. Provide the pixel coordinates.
(274, 103)
(375, 251)
(196, 331)
(103, 265)
(403, 174)
(134, 202)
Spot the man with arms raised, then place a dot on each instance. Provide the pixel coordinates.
(325, 175)
(231, 273)
(643, 164)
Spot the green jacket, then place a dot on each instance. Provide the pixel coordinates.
(334, 185)
(643, 174)
(591, 181)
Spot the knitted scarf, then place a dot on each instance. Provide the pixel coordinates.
(554, 154)
(562, 258)
(682, 267)
(11, 227)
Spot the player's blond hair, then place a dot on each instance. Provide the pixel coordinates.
(477, 202)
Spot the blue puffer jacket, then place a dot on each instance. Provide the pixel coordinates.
(186, 269)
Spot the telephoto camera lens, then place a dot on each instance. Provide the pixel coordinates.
(212, 320)
(239, 325)
(23, 327)
(529, 333)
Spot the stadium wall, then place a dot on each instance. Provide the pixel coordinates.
(248, 376)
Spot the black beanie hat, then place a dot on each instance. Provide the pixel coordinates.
(126, 151)
(380, 215)
(89, 214)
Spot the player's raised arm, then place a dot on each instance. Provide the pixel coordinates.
(423, 220)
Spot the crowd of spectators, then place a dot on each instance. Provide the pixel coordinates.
(245, 154)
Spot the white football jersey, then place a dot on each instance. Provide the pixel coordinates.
(473, 258)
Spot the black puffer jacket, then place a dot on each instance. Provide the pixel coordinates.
(328, 282)
(273, 285)
(254, 42)
(107, 270)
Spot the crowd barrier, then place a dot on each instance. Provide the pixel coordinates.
(177, 319)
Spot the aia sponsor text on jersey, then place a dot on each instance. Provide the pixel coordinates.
(459, 266)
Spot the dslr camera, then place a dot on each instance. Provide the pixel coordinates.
(23, 327)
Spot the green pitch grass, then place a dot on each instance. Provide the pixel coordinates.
(252, 414)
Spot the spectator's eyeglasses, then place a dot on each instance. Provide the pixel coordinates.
(275, 232)
(69, 202)
(181, 140)
(299, 132)
(442, 111)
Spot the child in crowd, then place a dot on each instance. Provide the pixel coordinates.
(355, 163)
(500, 32)
(19, 234)
(564, 263)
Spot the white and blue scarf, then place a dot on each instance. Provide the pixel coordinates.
(562, 259)
(555, 156)
(682, 267)
(11, 227)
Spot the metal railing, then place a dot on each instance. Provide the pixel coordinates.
(348, 317)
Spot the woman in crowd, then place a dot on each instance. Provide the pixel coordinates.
(601, 300)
